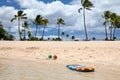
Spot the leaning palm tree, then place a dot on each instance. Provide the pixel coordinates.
(44, 22)
(37, 22)
(86, 5)
(20, 15)
(59, 22)
(106, 16)
(25, 26)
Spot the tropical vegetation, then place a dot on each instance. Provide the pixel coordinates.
(86, 5)
(111, 22)
(20, 15)
(59, 22)
(4, 35)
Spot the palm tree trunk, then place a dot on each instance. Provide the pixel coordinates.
(19, 28)
(58, 30)
(114, 33)
(36, 30)
(24, 34)
(85, 24)
(111, 32)
(43, 33)
(106, 31)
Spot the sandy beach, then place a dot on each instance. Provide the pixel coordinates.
(28, 60)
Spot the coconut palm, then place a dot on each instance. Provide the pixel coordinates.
(20, 15)
(63, 33)
(25, 26)
(93, 38)
(116, 24)
(73, 37)
(37, 22)
(44, 22)
(67, 35)
(29, 35)
(86, 5)
(106, 16)
(113, 16)
(59, 22)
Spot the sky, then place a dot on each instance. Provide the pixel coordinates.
(65, 9)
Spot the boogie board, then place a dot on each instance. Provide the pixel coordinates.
(80, 68)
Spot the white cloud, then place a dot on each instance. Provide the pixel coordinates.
(6, 14)
(69, 12)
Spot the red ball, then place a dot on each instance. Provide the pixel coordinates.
(54, 56)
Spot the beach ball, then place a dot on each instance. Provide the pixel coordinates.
(54, 57)
(50, 56)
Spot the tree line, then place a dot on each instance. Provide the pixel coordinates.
(38, 21)
(4, 35)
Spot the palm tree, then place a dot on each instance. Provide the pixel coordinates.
(44, 22)
(113, 16)
(116, 24)
(48, 38)
(29, 35)
(67, 35)
(59, 22)
(106, 16)
(93, 38)
(37, 22)
(86, 5)
(25, 26)
(20, 15)
(73, 37)
(63, 33)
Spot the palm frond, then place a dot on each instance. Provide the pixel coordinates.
(60, 21)
(25, 25)
(20, 12)
(13, 19)
(15, 16)
(88, 4)
(79, 10)
(44, 21)
(24, 14)
(88, 8)
(23, 17)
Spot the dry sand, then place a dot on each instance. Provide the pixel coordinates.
(28, 60)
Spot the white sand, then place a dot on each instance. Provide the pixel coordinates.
(103, 56)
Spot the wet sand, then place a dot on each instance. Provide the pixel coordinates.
(28, 60)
